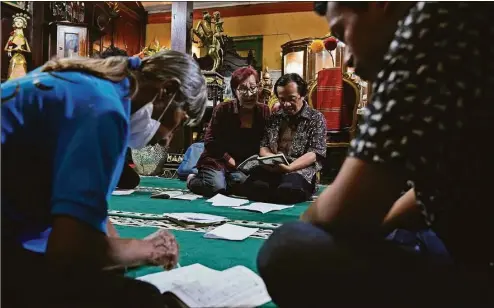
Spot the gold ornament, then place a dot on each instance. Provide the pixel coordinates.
(17, 45)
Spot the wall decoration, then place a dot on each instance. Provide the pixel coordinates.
(71, 11)
(71, 41)
(16, 46)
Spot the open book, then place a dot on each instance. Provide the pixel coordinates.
(200, 286)
(254, 161)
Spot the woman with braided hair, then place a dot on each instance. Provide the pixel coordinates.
(71, 122)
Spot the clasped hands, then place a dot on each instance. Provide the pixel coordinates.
(161, 249)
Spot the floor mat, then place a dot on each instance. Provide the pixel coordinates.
(138, 215)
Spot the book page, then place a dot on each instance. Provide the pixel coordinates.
(235, 287)
(231, 232)
(274, 159)
(249, 164)
(165, 281)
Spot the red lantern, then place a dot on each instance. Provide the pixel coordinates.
(330, 43)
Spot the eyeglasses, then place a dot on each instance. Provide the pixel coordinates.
(245, 91)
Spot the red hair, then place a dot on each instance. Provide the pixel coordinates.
(240, 75)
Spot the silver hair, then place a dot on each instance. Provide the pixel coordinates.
(192, 93)
(160, 67)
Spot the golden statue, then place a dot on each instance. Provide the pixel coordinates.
(218, 27)
(206, 35)
(16, 45)
(266, 86)
(151, 49)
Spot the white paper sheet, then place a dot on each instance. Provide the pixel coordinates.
(231, 232)
(234, 287)
(165, 281)
(221, 200)
(122, 192)
(187, 197)
(263, 207)
(197, 218)
(173, 193)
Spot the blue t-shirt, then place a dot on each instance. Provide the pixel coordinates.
(64, 136)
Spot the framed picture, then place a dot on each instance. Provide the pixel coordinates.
(71, 41)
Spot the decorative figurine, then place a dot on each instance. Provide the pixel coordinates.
(266, 86)
(16, 46)
(205, 33)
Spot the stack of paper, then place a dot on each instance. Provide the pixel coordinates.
(199, 286)
(231, 232)
(122, 192)
(196, 218)
(263, 207)
(221, 200)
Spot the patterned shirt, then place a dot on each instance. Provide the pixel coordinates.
(307, 134)
(432, 115)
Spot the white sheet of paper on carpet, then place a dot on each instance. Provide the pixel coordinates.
(173, 193)
(122, 192)
(264, 207)
(197, 218)
(190, 197)
(199, 286)
(231, 232)
(221, 200)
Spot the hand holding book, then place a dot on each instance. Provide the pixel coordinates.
(255, 161)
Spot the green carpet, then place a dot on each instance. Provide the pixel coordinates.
(216, 254)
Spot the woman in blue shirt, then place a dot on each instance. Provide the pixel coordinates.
(65, 129)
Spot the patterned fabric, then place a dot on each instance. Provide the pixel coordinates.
(330, 97)
(149, 160)
(225, 139)
(432, 116)
(309, 135)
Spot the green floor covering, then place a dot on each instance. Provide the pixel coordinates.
(216, 254)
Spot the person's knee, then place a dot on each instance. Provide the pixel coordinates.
(290, 195)
(294, 253)
(129, 179)
(207, 184)
(288, 239)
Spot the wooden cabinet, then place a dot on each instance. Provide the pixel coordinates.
(127, 32)
(45, 32)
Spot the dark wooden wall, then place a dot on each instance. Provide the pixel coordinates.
(129, 32)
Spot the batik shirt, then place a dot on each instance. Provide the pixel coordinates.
(308, 134)
(432, 116)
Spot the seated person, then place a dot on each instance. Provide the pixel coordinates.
(429, 120)
(129, 179)
(233, 135)
(297, 131)
(73, 119)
